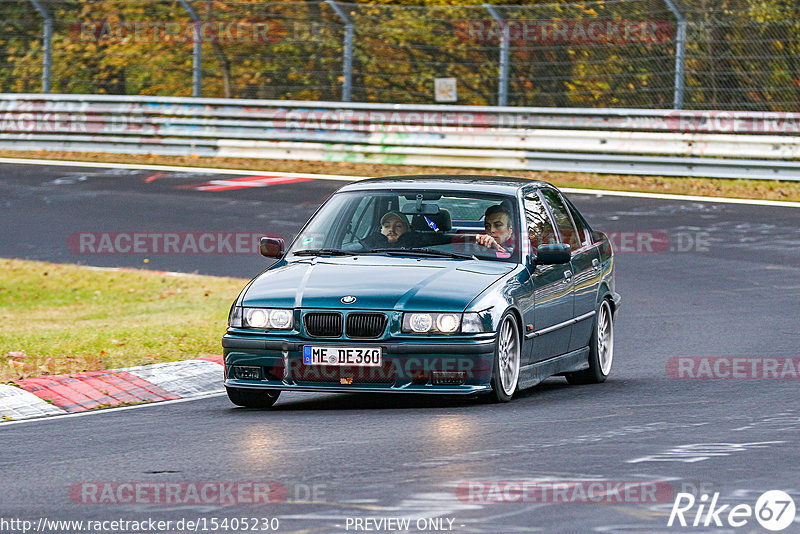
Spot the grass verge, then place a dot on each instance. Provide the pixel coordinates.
(68, 318)
(713, 187)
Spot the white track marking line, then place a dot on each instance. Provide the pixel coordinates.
(176, 168)
(690, 198)
(344, 178)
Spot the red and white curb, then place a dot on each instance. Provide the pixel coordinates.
(79, 392)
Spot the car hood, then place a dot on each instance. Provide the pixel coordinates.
(377, 282)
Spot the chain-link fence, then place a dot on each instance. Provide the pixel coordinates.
(696, 54)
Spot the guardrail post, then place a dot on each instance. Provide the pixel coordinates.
(347, 83)
(680, 54)
(197, 50)
(505, 42)
(47, 44)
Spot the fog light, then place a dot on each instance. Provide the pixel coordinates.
(243, 372)
(449, 378)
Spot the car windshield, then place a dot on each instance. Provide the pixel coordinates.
(445, 224)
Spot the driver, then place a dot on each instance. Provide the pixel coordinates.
(499, 229)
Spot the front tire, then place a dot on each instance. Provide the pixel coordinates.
(601, 349)
(252, 398)
(507, 351)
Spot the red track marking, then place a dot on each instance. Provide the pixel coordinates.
(245, 182)
(40, 388)
(154, 177)
(84, 391)
(59, 393)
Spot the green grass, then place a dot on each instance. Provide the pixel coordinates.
(68, 318)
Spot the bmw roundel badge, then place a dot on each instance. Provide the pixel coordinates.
(349, 299)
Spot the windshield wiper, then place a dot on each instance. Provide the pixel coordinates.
(423, 250)
(324, 252)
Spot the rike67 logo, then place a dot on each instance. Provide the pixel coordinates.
(774, 510)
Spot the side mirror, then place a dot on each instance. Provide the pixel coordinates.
(553, 254)
(272, 247)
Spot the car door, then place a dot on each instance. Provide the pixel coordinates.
(587, 273)
(584, 266)
(547, 322)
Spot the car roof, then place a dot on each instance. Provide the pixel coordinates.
(446, 182)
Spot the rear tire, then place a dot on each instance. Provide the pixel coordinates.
(252, 398)
(601, 349)
(507, 353)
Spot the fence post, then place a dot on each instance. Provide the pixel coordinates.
(347, 84)
(197, 50)
(505, 41)
(680, 54)
(47, 44)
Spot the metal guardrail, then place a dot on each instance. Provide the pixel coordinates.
(752, 145)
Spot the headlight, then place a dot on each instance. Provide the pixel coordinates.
(436, 323)
(261, 318)
(255, 317)
(280, 319)
(447, 323)
(420, 322)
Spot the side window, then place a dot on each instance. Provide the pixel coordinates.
(583, 228)
(562, 218)
(540, 229)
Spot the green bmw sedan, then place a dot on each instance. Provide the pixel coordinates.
(459, 285)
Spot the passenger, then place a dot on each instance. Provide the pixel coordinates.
(499, 229)
(393, 226)
(395, 232)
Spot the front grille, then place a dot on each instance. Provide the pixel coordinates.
(323, 324)
(365, 325)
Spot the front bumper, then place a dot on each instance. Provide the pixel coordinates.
(449, 366)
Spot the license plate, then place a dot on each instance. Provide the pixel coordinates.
(355, 356)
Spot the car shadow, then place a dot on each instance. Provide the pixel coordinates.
(394, 401)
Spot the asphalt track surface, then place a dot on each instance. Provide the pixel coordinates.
(726, 285)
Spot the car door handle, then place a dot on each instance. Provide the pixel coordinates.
(567, 276)
(596, 264)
